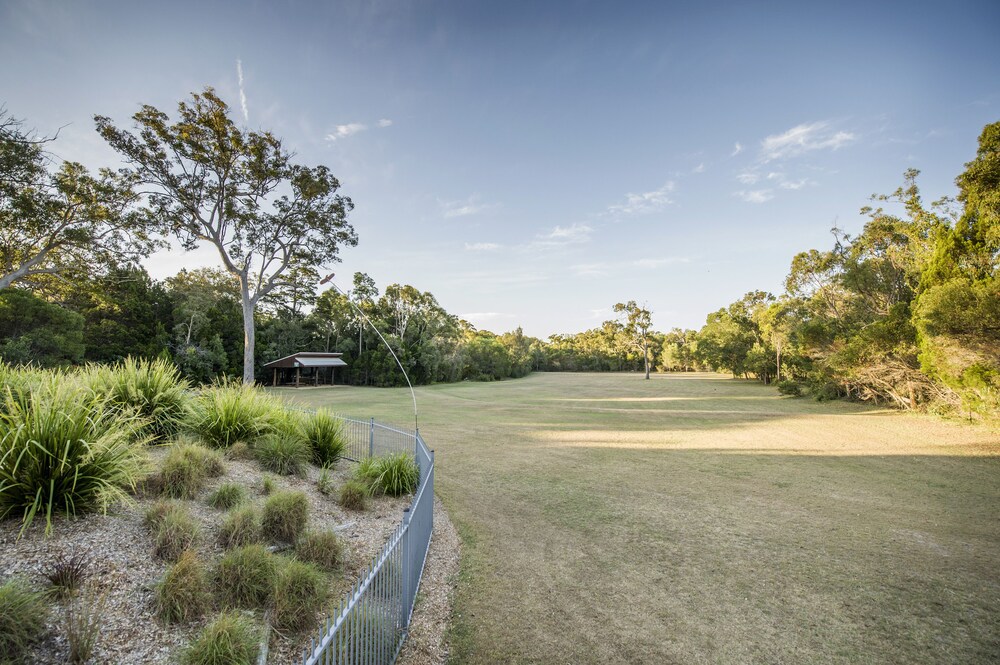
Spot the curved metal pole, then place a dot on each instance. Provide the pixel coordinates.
(413, 395)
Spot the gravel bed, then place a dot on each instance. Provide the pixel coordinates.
(119, 548)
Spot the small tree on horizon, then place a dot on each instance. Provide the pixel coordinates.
(638, 321)
(212, 182)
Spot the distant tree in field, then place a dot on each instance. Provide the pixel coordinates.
(237, 190)
(60, 220)
(638, 321)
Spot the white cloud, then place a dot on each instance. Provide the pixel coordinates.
(748, 177)
(700, 168)
(469, 206)
(481, 246)
(756, 196)
(343, 131)
(804, 138)
(243, 94)
(737, 149)
(569, 234)
(795, 184)
(385, 122)
(647, 202)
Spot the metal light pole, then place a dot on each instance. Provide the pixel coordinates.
(413, 395)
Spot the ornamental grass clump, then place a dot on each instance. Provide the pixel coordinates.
(240, 526)
(227, 413)
(227, 496)
(244, 577)
(322, 548)
(230, 639)
(84, 615)
(187, 468)
(23, 613)
(394, 474)
(183, 594)
(177, 531)
(63, 450)
(354, 495)
(283, 453)
(300, 591)
(68, 573)
(285, 515)
(152, 388)
(325, 435)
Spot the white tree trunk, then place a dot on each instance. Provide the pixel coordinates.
(249, 336)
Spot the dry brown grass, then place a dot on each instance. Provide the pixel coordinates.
(695, 519)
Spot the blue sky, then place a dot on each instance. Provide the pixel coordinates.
(532, 163)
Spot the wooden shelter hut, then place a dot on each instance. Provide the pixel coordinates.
(305, 367)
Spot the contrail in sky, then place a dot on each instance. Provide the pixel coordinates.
(243, 95)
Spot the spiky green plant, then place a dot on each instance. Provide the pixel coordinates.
(283, 453)
(186, 469)
(324, 433)
(244, 577)
(152, 388)
(354, 495)
(324, 484)
(183, 593)
(230, 639)
(393, 474)
(227, 496)
(285, 515)
(300, 589)
(241, 526)
(176, 532)
(226, 413)
(23, 613)
(63, 450)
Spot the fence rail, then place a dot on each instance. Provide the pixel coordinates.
(370, 624)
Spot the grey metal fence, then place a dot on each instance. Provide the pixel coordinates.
(370, 624)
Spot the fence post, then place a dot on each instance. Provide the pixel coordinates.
(371, 439)
(404, 609)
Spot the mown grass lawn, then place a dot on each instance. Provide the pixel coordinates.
(697, 519)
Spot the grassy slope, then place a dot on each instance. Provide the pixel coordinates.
(693, 518)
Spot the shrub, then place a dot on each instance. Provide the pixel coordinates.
(62, 450)
(324, 433)
(227, 496)
(789, 388)
(244, 577)
(225, 414)
(267, 485)
(300, 590)
(354, 495)
(83, 625)
(153, 388)
(230, 639)
(322, 548)
(393, 474)
(284, 454)
(186, 469)
(285, 515)
(183, 593)
(240, 527)
(22, 618)
(176, 532)
(68, 574)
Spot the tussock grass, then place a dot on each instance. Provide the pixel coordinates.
(354, 495)
(230, 639)
(84, 615)
(268, 485)
(183, 594)
(283, 453)
(186, 469)
(227, 496)
(325, 436)
(285, 515)
(300, 591)
(63, 450)
(323, 548)
(241, 526)
(394, 474)
(324, 484)
(152, 388)
(244, 577)
(23, 613)
(227, 413)
(175, 532)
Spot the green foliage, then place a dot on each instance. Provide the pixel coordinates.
(227, 413)
(322, 548)
(241, 526)
(394, 474)
(268, 485)
(227, 496)
(230, 639)
(325, 435)
(354, 495)
(300, 590)
(186, 469)
(83, 625)
(23, 613)
(324, 484)
(153, 389)
(285, 515)
(244, 577)
(63, 450)
(175, 532)
(283, 454)
(789, 388)
(38, 332)
(156, 513)
(183, 595)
